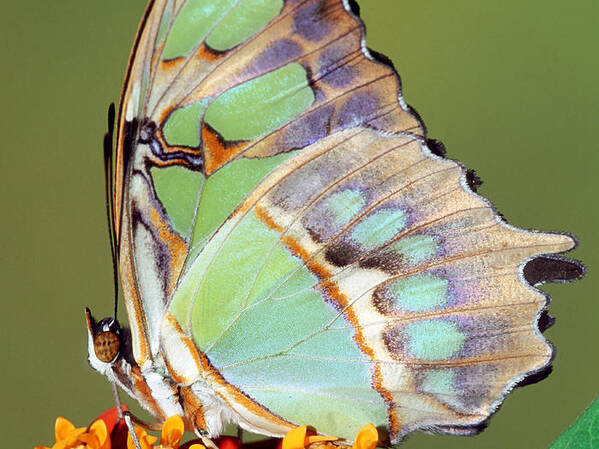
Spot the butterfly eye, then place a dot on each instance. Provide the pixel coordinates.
(106, 346)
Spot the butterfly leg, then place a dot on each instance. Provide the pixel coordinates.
(117, 399)
(206, 440)
(155, 426)
(126, 416)
(146, 425)
(129, 423)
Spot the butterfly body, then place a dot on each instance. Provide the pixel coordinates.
(292, 251)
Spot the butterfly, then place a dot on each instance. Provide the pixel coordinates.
(293, 249)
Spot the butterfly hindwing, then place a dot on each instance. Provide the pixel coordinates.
(362, 272)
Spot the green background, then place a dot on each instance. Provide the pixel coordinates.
(509, 86)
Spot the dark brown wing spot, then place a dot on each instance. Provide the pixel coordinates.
(552, 269)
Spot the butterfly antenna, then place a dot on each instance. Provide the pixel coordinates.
(108, 187)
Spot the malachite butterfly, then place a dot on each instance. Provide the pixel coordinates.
(293, 249)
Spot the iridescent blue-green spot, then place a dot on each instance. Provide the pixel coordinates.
(438, 339)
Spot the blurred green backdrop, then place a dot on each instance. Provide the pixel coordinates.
(509, 86)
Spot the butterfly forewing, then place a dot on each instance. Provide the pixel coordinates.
(196, 100)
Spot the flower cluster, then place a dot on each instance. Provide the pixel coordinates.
(108, 431)
(70, 437)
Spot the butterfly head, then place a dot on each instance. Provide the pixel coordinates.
(104, 341)
(109, 353)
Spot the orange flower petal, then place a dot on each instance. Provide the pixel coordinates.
(311, 439)
(296, 438)
(62, 428)
(90, 440)
(172, 432)
(70, 440)
(197, 446)
(367, 438)
(302, 437)
(97, 436)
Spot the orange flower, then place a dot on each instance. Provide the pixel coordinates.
(70, 437)
(367, 438)
(172, 432)
(303, 437)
